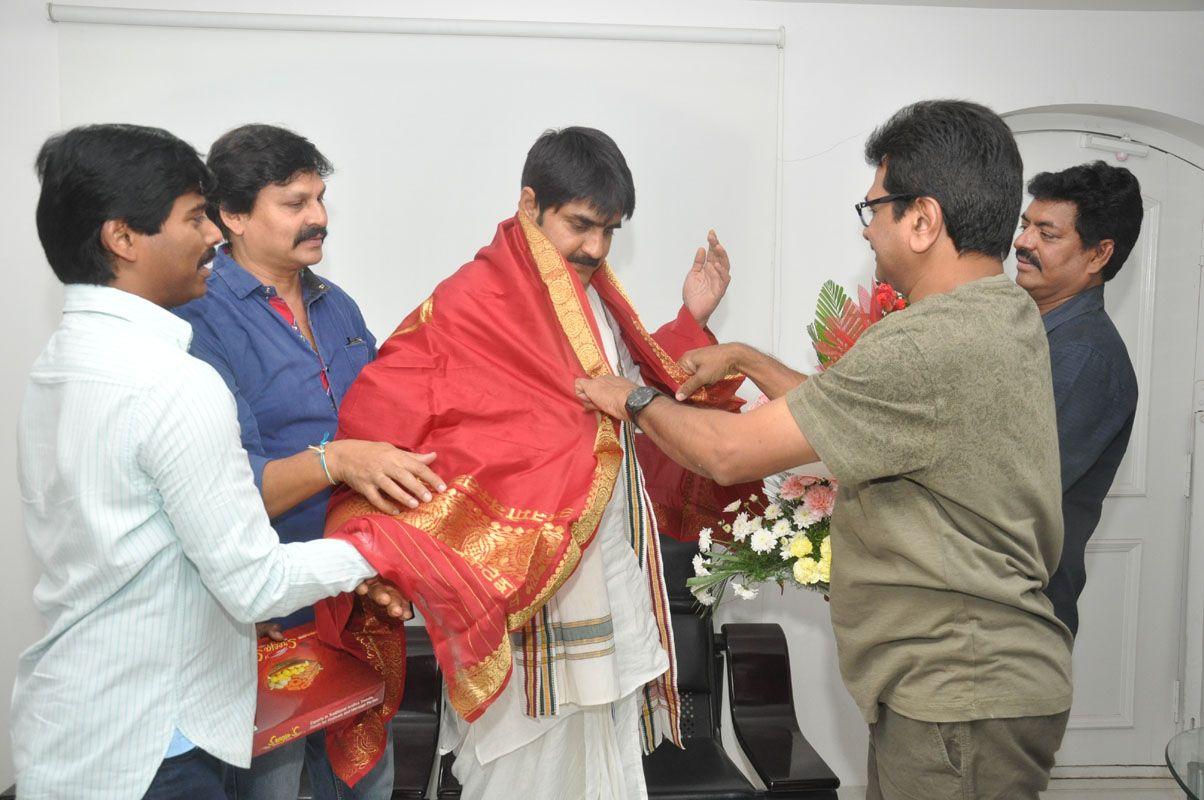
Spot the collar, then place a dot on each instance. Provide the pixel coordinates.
(89, 298)
(242, 283)
(1084, 302)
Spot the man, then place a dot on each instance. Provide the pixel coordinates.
(156, 553)
(288, 344)
(1075, 236)
(939, 424)
(538, 572)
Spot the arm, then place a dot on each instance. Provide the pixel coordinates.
(1086, 395)
(727, 448)
(191, 453)
(707, 365)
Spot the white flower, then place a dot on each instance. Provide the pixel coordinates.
(743, 593)
(782, 528)
(763, 541)
(704, 539)
(743, 527)
(732, 506)
(752, 498)
(773, 511)
(805, 517)
(700, 566)
(786, 553)
(705, 597)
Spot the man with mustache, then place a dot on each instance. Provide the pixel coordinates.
(156, 553)
(538, 572)
(288, 343)
(1074, 237)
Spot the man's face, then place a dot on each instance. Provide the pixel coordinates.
(287, 225)
(885, 235)
(1051, 261)
(580, 233)
(173, 260)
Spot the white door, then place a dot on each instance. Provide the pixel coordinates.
(1129, 649)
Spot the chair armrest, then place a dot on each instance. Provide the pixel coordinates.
(763, 716)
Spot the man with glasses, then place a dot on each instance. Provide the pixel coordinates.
(939, 424)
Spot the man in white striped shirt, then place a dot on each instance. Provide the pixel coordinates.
(156, 551)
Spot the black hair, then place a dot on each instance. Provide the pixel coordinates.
(95, 173)
(962, 155)
(251, 157)
(1108, 201)
(579, 164)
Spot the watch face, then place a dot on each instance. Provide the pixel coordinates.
(640, 397)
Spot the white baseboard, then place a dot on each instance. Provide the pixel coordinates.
(1113, 771)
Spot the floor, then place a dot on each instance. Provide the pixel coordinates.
(1080, 789)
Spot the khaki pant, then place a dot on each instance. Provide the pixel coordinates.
(985, 759)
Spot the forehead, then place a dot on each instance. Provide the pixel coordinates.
(303, 183)
(878, 188)
(188, 203)
(1058, 213)
(585, 210)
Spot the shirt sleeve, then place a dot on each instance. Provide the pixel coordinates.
(873, 413)
(1088, 398)
(190, 451)
(207, 348)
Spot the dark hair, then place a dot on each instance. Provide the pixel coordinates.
(250, 157)
(95, 173)
(1108, 200)
(962, 155)
(579, 164)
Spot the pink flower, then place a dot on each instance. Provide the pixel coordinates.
(820, 499)
(795, 486)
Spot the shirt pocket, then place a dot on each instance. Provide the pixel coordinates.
(356, 355)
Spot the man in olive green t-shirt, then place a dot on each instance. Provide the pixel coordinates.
(940, 426)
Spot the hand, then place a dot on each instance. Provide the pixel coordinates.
(270, 630)
(384, 475)
(607, 394)
(707, 280)
(706, 365)
(386, 594)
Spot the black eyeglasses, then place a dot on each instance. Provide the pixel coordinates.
(861, 207)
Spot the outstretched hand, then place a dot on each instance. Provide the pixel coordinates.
(707, 280)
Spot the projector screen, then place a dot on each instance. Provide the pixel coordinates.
(428, 135)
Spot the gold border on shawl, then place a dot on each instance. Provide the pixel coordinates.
(567, 305)
(677, 373)
(473, 685)
(425, 312)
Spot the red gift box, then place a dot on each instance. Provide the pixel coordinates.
(305, 686)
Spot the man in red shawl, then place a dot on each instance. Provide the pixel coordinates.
(537, 571)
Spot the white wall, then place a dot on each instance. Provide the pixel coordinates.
(847, 68)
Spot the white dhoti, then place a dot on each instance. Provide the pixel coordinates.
(608, 648)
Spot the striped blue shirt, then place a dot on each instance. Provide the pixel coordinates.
(156, 552)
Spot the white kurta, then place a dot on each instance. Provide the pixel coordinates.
(591, 749)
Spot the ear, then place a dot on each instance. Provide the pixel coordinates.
(120, 239)
(925, 225)
(235, 223)
(527, 204)
(1099, 257)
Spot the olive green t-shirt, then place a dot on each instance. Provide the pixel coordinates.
(939, 425)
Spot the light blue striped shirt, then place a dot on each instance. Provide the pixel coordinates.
(156, 552)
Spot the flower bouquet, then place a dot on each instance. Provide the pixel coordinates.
(781, 538)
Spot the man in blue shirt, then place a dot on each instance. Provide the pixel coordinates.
(289, 343)
(1075, 236)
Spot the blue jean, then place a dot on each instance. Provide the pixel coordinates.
(195, 775)
(276, 775)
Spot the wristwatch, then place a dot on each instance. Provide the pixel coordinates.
(638, 399)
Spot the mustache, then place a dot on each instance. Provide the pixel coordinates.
(585, 261)
(1029, 256)
(209, 255)
(309, 233)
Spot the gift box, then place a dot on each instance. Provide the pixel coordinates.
(305, 686)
